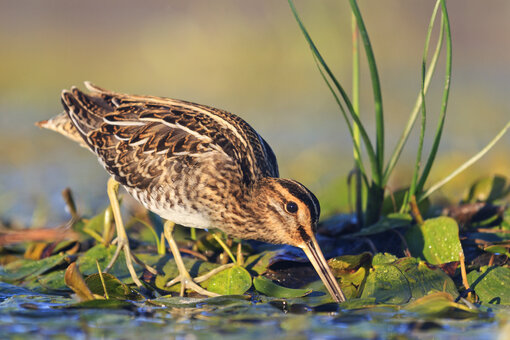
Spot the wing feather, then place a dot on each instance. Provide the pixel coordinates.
(136, 137)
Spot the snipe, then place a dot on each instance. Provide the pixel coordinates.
(193, 165)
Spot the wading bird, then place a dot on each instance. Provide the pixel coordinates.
(193, 165)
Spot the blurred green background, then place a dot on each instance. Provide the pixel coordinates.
(247, 57)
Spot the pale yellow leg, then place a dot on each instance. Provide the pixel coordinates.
(122, 239)
(184, 278)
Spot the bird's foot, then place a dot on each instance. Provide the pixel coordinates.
(123, 245)
(187, 283)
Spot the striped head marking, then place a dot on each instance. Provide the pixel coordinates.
(291, 211)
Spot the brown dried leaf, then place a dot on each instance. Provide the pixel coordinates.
(75, 281)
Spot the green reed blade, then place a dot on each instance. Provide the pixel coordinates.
(355, 83)
(417, 106)
(465, 165)
(444, 104)
(412, 187)
(356, 105)
(376, 87)
(368, 145)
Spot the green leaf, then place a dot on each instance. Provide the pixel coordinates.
(66, 246)
(352, 283)
(96, 223)
(232, 281)
(169, 271)
(115, 288)
(498, 250)
(387, 284)
(53, 281)
(491, 285)
(347, 263)
(269, 288)
(92, 227)
(351, 270)
(424, 279)
(190, 302)
(383, 258)
(259, 263)
(440, 305)
(87, 262)
(353, 304)
(436, 241)
(27, 269)
(404, 280)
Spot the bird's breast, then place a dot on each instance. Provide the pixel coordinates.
(170, 204)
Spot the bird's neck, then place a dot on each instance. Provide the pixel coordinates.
(247, 214)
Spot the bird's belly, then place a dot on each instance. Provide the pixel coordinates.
(171, 210)
(183, 217)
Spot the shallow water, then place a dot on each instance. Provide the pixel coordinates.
(24, 314)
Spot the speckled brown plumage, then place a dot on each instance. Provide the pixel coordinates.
(194, 165)
(175, 157)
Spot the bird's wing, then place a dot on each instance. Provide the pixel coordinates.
(134, 136)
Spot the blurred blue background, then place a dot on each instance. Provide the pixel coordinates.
(250, 58)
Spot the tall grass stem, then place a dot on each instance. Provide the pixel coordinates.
(327, 71)
(376, 87)
(417, 106)
(444, 103)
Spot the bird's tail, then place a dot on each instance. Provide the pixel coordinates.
(62, 124)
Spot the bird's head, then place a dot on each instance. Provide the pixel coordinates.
(289, 214)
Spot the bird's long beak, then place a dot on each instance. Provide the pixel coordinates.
(314, 253)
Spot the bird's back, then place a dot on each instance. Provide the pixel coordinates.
(135, 137)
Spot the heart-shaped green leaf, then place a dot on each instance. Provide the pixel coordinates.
(232, 281)
(168, 271)
(436, 241)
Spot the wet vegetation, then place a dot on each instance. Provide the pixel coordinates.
(408, 265)
(443, 271)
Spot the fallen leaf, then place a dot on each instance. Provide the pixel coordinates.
(75, 281)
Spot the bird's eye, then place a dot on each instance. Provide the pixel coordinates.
(291, 207)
